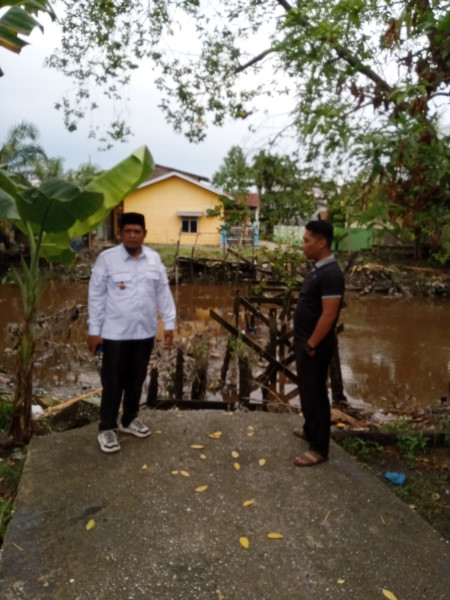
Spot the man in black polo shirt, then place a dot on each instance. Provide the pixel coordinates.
(315, 319)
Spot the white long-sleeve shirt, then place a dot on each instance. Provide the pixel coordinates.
(126, 294)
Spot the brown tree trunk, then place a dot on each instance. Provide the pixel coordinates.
(21, 429)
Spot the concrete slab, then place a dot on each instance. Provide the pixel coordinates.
(344, 534)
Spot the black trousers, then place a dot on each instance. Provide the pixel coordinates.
(123, 373)
(312, 386)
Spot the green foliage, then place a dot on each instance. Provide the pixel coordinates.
(6, 408)
(6, 507)
(368, 82)
(286, 261)
(412, 445)
(19, 20)
(200, 352)
(21, 151)
(361, 449)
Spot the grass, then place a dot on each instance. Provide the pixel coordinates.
(427, 486)
(11, 467)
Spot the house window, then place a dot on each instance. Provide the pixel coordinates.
(189, 221)
(189, 224)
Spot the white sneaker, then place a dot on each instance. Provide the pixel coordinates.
(108, 441)
(137, 428)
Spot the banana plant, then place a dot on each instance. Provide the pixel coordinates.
(50, 216)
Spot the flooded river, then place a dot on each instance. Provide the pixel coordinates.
(395, 352)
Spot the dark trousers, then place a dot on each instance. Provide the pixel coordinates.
(312, 386)
(123, 373)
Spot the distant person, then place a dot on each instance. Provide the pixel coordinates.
(315, 319)
(128, 285)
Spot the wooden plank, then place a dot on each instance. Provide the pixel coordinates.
(254, 346)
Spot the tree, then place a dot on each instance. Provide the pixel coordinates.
(21, 152)
(356, 70)
(50, 216)
(286, 195)
(234, 177)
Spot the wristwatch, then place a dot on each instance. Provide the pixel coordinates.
(309, 348)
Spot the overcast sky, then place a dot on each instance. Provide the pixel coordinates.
(28, 92)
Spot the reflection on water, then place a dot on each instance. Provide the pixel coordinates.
(394, 352)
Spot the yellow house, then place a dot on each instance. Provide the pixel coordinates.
(176, 209)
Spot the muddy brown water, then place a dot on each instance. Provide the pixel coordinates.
(395, 352)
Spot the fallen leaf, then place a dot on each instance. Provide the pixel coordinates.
(235, 454)
(435, 496)
(262, 462)
(203, 456)
(341, 581)
(159, 431)
(174, 472)
(144, 467)
(237, 466)
(275, 536)
(389, 595)
(90, 525)
(251, 433)
(216, 435)
(184, 473)
(250, 428)
(197, 446)
(201, 488)
(248, 503)
(340, 425)
(244, 542)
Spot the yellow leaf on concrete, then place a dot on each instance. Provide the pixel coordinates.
(159, 431)
(174, 472)
(144, 467)
(237, 466)
(251, 433)
(203, 456)
(184, 473)
(216, 435)
(262, 462)
(90, 525)
(275, 536)
(197, 446)
(250, 428)
(389, 595)
(201, 488)
(341, 581)
(244, 542)
(235, 454)
(248, 503)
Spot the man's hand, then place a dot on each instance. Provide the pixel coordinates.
(93, 341)
(168, 337)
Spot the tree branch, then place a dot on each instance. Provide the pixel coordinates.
(287, 7)
(254, 60)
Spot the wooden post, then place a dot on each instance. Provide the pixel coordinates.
(152, 394)
(226, 363)
(244, 381)
(337, 386)
(272, 347)
(178, 384)
(199, 385)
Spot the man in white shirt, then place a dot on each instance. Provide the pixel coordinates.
(127, 289)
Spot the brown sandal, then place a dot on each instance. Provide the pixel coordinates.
(300, 433)
(309, 459)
